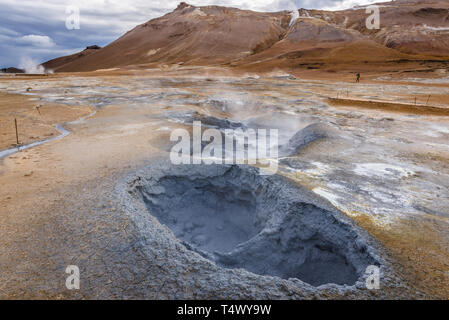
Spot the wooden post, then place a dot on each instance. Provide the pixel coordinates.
(17, 132)
(415, 101)
(428, 98)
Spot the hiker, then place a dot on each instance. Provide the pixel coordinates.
(358, 78)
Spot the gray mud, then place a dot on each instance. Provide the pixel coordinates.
(267, 225)
(309, 134)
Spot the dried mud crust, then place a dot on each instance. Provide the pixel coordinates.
(247, 229)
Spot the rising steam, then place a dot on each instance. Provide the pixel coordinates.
(294, 12)
(30, 66)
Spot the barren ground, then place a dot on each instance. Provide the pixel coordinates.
(388, 171)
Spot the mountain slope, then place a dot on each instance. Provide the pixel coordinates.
(410, 26)
(194, 35)
(58, 63)
(213, 35)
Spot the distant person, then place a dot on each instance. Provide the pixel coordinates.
(358, 78)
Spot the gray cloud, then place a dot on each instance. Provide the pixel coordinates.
(36, 29)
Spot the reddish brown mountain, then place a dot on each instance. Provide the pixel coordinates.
(193, 35)
(411, 26)
(213, 35)
(58, 63)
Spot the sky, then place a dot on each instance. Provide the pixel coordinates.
(34, 31)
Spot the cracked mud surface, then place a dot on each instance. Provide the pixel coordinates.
(385, 172)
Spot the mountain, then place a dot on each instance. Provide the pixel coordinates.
(194, 35)
(213, 35)
(411, 26)
(11, 70)
(58, 63)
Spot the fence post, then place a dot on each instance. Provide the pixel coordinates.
(17, 132)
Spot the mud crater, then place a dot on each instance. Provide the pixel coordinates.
(264, 224)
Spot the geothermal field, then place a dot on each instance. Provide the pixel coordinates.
(356, 186)
(361, 175)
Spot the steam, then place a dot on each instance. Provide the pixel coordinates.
(295, 16)
(294, 12)
(30, 66)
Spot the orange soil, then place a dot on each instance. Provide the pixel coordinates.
(33, 124)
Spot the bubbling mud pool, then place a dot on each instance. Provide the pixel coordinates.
(267, 225)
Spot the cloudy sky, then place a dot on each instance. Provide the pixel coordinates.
(36, 29)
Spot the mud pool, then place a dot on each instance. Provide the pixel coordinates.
(238, 218)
